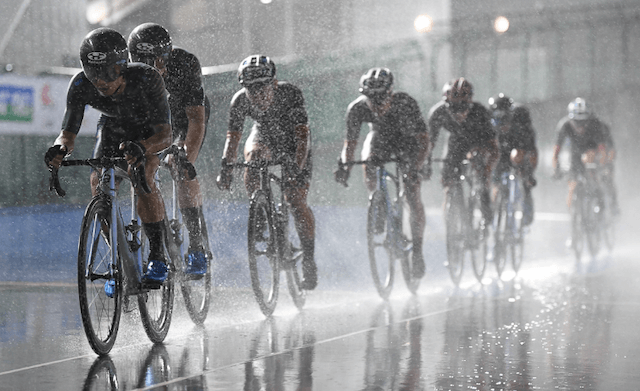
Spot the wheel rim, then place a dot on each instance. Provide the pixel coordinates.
(380, 252)
(455, 239)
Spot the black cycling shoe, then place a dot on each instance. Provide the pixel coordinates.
(310, 275)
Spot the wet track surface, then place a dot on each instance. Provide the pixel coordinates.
(551, 327)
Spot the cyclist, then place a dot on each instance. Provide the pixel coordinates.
(589, 140)
(280, 129)
(517, 143)
(470, 129)
(135, 123)
(396, 127)
(151, 43)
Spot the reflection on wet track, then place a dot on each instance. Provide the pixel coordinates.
(551, 327)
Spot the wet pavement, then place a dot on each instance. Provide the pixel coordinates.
(551, 327)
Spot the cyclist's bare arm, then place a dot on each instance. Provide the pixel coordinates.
(159, 141)
(66, 139)
(195, 131)
(302, 142)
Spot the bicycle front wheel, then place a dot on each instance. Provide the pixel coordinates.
(156, 305)
(592, 225)
(100, 311)
(264, 262)
(479, 232)
(378, 240)
(517, 232)
(456, 233)
(501, 232)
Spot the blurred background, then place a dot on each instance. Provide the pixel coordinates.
(543, 53)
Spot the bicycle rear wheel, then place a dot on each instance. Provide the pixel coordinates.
(196, 290)
(156, 305)
(479, 236)
(456, 222)
(405, 250)
(264, 262)
(293, 262)
(378, 240)
(501, 232)
(100, 313)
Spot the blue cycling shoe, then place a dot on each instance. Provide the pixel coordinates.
(110, 288)
(196, 263)
(156, 272)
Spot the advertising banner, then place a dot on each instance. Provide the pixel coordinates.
(35, 105)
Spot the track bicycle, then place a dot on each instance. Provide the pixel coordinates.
(112, 251)
(508, 228)
(196, 289)
(272, 240)
(587, 213)
(467, 232)
(388, 228)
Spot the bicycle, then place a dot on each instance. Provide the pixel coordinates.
(110, 250)
(508, 222)
(467, 232)
(587, 210)
(196, 289)
(388, 229)
(272, 240)
(609, 218)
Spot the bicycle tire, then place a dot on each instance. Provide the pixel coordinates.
(516, 229)
(592, 226)
(264, 254)
(156, 305)
(100, 313)
(456, 227)
(197, 291)
(381, 254)
(500, 223)
(577, 226)
(608, 224)
(406, 247)
(480, 232)
(292, 256)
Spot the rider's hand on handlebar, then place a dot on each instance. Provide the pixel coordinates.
(341, 175)
(134, 152)
(54, 155)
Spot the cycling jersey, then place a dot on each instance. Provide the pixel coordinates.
(275, 126)
(131, 113)
(474, 131)
(184, 84)
(395, 130)
(520, 135)
(584, 135)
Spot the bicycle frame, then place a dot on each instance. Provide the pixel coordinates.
(394, 223)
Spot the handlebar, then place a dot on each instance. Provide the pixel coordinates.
(182, 163)
(138, 179)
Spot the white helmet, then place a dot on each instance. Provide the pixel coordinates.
(578, 109)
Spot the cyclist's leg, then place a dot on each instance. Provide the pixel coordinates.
(296, 192)
(418, 220)
(152, 213)
(254, 149)
(372, 149)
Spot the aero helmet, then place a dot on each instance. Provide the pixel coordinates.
(256, 69)
(103, 54)
(376, 82)
(149, 41)
(579, 109)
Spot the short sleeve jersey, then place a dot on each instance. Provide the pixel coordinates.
(583, 135)
(275, 125)
(185, 86)
(142, 104)
(474, 131)
(402, 120)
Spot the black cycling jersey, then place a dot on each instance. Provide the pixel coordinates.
(521, 135)
(474, 131)
(131, 113)
(584, 135)
(184, 83)
(276, 125)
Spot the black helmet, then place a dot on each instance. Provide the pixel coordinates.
(103, 54)
(377, 81)
(500, 102)
(256, 69)
(149, 41)
(458, 96)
